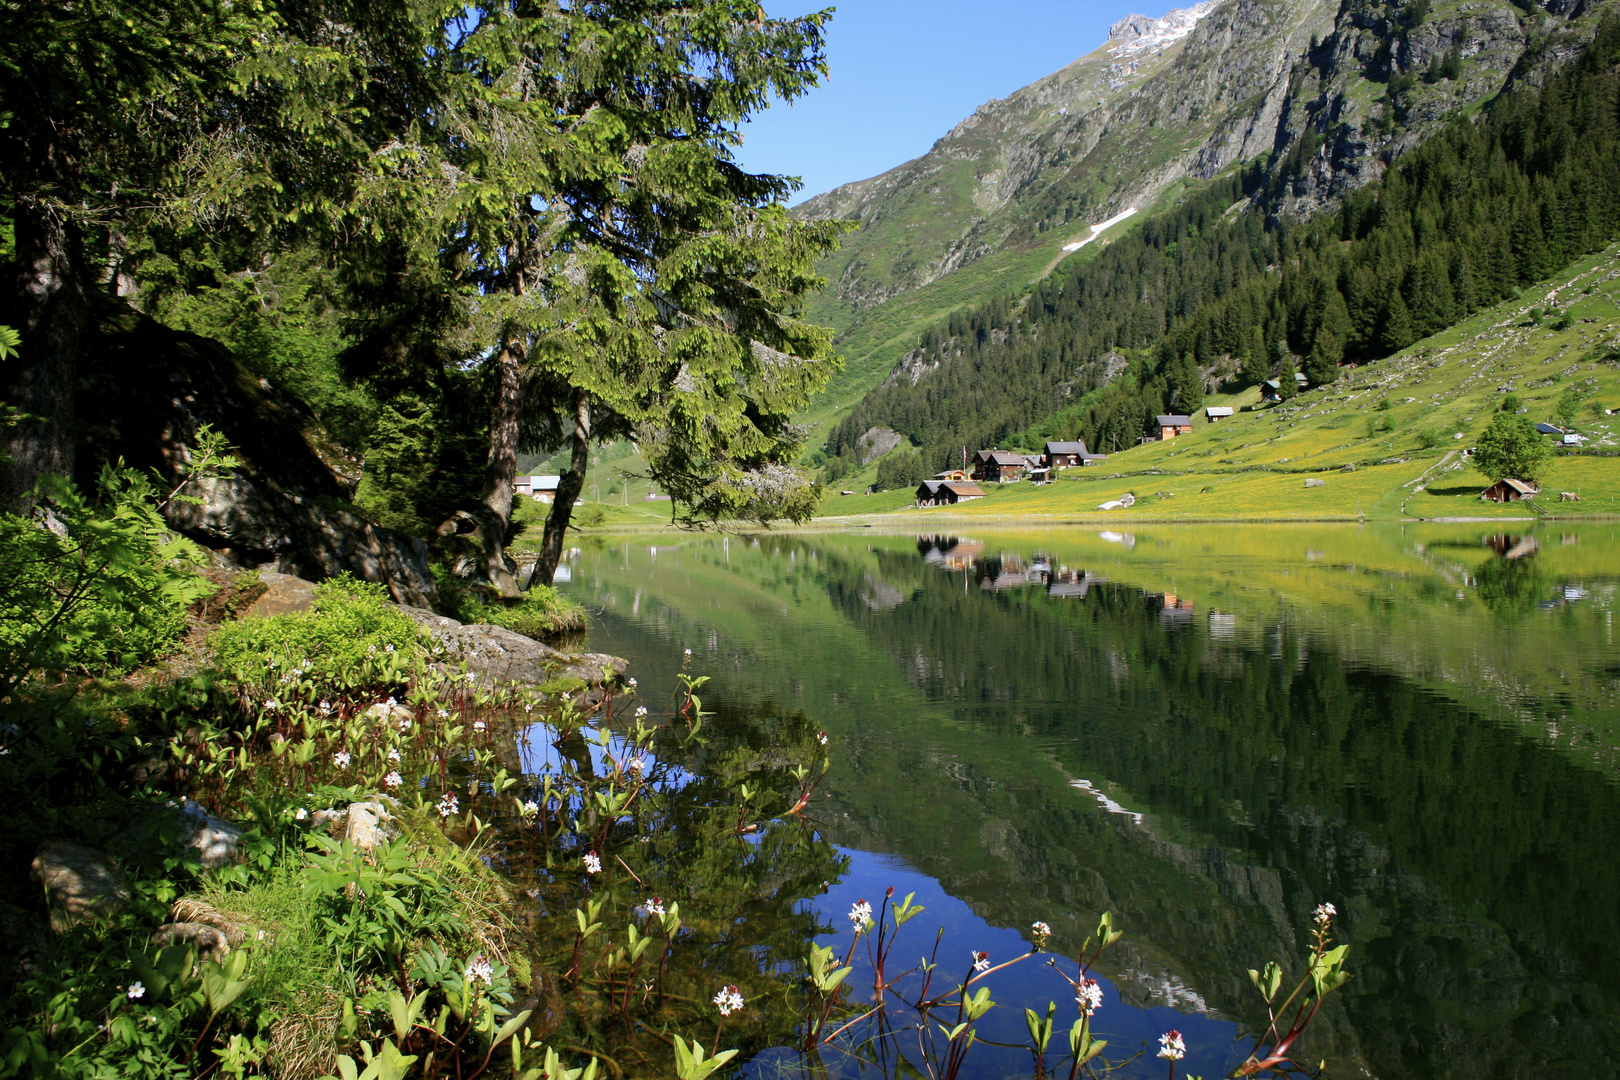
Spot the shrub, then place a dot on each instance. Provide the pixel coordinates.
(351, 620)
(1429, 438)
(543, 612)
(97, 586)
(1511, 403)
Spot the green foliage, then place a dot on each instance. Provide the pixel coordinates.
(352, 621)
(542, 613)
(1511, 403)
(1511, 447)
(1569, 404)
(1429, 438)
(92, 585)
(901, 467)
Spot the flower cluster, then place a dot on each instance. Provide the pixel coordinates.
(449, 806)
(860, 915)
(636, 764)
(728, 1000)
(529, 809)
(341, 759)
(1171, 1046)
(1088, 995)
(593, 863)
(479, 725)
(480, 971)
(392, 781)
(393, 753)
(655, 906)
(1324, 914)
(821, 737)
(981, 961)
(1042, 931)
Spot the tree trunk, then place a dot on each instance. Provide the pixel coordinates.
(53, 312)
(494, 511)
(569, 485)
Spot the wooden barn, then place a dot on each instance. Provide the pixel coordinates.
(1172, 425)
(1065, 455)
(1002, 466)
(1217, 412)
(1510, 490)
(946, 493)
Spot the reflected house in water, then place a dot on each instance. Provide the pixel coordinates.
(1067, 584)
(1512, 547)
(950, 552)
(947, 492)
(1175, 611)
(1222, 626)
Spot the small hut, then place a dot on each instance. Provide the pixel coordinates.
(1509, 490)
(946, 493)
(1172, 425)
(1212, 413)
(999, 465)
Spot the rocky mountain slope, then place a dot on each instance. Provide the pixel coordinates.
(1323, 93)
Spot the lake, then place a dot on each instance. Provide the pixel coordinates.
(1206, 730)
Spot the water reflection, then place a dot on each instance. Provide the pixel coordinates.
(1209, 735)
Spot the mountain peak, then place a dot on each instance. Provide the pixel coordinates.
(1141, 35)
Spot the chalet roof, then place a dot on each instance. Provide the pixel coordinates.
(1301, 378)
(1173, 420)
(1218, 410)
(1066, 448)
(539, 483)
(964, 488)
(1002, 457)
(1549, 429)
(1273, 383)
(1522, 487)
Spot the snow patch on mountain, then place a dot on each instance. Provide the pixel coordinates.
(1141, 36)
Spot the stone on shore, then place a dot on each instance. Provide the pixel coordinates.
(81, 884)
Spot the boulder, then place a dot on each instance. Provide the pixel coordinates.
(189, 909)
(81, 884)
(1315, 481)
(500, 655)
(389, 713)
(215, 841)
(369, 824)
(145, 391)
(209, 941)
(283, 594)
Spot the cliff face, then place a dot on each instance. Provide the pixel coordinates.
(1326, 92)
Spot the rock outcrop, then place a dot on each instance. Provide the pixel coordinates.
(81, 884)
(146, 390)
(497, 654)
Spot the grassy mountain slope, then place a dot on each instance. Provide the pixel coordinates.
(1254, 465)
(991, 206)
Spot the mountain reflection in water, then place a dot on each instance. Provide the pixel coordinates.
(1206, 731)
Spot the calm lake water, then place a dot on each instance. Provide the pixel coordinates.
(1207, 731)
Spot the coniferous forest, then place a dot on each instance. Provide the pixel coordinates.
(1221, 281)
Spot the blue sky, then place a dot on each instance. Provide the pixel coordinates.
(904, 72)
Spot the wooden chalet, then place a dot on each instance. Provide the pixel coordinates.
(953, 474)
(1172, 425)
(1510, 490)
(1271, 390)
(1065, 455)
(1002, 466)
(1213, 413)
(541, 488)
(946, 493)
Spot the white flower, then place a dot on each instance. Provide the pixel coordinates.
(530, 808)
(301, 815)
(404, 723)
(393, 753)
(981, 961)
(636, 764)
(272, 705)
(631, 683)
(388, 648)
(528, 706)
(593, 863)
(478, 725)
(261, 935)
(271, 661)
(655, 906)
(341, 759)
(1324, 913)
(860, 914)
(641, 712)
(821, 737)
(1041, 929)
(688, 652)
(480, 971)
(728, 1000)
(1171, 1046)
(1088, 995)
(324, 708)
(444, 714)
(135, 992)
(448, 806)
(392, 780)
